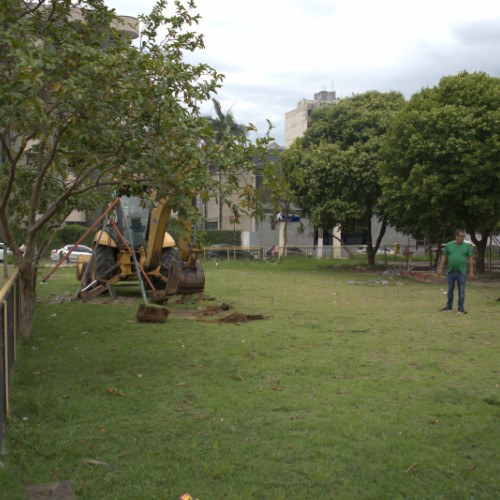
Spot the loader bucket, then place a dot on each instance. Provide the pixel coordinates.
(184, 279)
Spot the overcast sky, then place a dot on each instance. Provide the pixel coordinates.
(274, 53)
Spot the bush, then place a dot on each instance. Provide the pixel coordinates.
(224, 236)
(71, 233)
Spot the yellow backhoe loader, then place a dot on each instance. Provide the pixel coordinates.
(133, 244)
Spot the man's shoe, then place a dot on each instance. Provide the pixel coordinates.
(444, 309)
(462, 312)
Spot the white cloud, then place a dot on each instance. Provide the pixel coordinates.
(273, 53)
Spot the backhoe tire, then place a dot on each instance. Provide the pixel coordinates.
(167, 256)
(105, 264)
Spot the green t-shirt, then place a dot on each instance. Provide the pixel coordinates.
(457, 255)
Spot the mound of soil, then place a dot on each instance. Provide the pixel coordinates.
(212, 310)
(151, 314)
(237, 317)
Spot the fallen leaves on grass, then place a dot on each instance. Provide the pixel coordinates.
(115, 392)
(92, 461)
(411, 467)
(277, 387)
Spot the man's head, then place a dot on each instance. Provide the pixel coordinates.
(459, 235)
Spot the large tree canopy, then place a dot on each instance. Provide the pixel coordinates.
(82, 108)
(442, 167)
(333, 168)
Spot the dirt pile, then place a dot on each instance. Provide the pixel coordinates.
(237, 317)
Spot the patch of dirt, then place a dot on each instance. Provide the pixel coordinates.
(184, 313)
(151, 314)
(212, 310)
(200, 314)
(118, 300)
(238, 317)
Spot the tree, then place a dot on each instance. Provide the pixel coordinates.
(224, 127)
(83, 111)
(442, 160)
(333, 168)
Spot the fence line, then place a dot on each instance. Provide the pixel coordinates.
(10, 316)
(340, 251)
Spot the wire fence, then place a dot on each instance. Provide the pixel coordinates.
(10, 311)
(402, 254)
(233, 252)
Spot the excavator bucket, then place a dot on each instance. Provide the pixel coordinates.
(185, 279)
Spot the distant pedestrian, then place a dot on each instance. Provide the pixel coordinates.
(456, 256)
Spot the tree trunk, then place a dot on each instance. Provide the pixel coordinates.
(480, 254)
(383, 228)
(480, 247)
(370, 252)
(28, 281)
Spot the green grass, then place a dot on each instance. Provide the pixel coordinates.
(343, 391)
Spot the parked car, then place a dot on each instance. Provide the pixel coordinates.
(2, 250)
(224, 251)
(381, 251)
(79, 250)
(273, 251)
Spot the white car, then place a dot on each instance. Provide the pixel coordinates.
(2, 250)
(380, 251)
(79, 250)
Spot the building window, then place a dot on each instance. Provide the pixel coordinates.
(212, 225)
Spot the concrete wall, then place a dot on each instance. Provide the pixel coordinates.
(265, 236)
(391, 236)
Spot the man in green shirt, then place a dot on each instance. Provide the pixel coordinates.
(456, 255)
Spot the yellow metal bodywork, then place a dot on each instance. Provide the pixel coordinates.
(158, 222)
(168, 241)
(102, 237)
(80, 265)
(187, 274)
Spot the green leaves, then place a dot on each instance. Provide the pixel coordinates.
(83, 110)
(443, 155)
(333, 170)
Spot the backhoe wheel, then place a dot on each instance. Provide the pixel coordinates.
(103, 261)
(167, 256)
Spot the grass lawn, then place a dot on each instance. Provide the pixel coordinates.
(352, 386)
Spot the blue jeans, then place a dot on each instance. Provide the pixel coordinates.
(459, 278)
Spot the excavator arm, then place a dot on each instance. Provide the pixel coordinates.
(159, 218)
